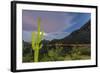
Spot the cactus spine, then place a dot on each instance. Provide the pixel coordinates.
(36, 41)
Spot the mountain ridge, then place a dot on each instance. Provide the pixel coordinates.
(79, 36)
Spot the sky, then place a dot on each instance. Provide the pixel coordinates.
(56, 25)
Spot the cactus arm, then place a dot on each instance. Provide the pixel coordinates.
(40, 46)
(38, 35)
(33, 40)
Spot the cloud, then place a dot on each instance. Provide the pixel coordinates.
(56, 35)
(26, 36)
(47, 36)
(50, 21)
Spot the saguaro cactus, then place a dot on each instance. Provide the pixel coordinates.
(36, 41)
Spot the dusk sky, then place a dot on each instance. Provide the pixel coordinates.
(54, 24)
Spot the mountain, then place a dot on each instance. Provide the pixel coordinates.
(82, 35)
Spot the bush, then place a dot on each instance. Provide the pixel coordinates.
(79, 53)
(53, 54)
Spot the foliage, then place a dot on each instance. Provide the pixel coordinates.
(53, 54)
(79, 53)
(28, 58)
(56, 53)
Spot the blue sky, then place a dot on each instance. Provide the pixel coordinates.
(54, 24)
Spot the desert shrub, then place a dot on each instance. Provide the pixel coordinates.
(85, 51)
(53, 54)
(78, 53)
(28, 58)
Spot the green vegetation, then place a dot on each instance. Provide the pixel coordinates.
(79, 53)
(57, 53)
(54, 54)
(36, 41)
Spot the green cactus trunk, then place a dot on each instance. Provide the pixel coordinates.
(36, 55)
(36, 40)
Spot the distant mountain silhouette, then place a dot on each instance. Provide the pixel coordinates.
(81, 36)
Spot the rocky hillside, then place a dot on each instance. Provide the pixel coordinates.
(81, 36)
